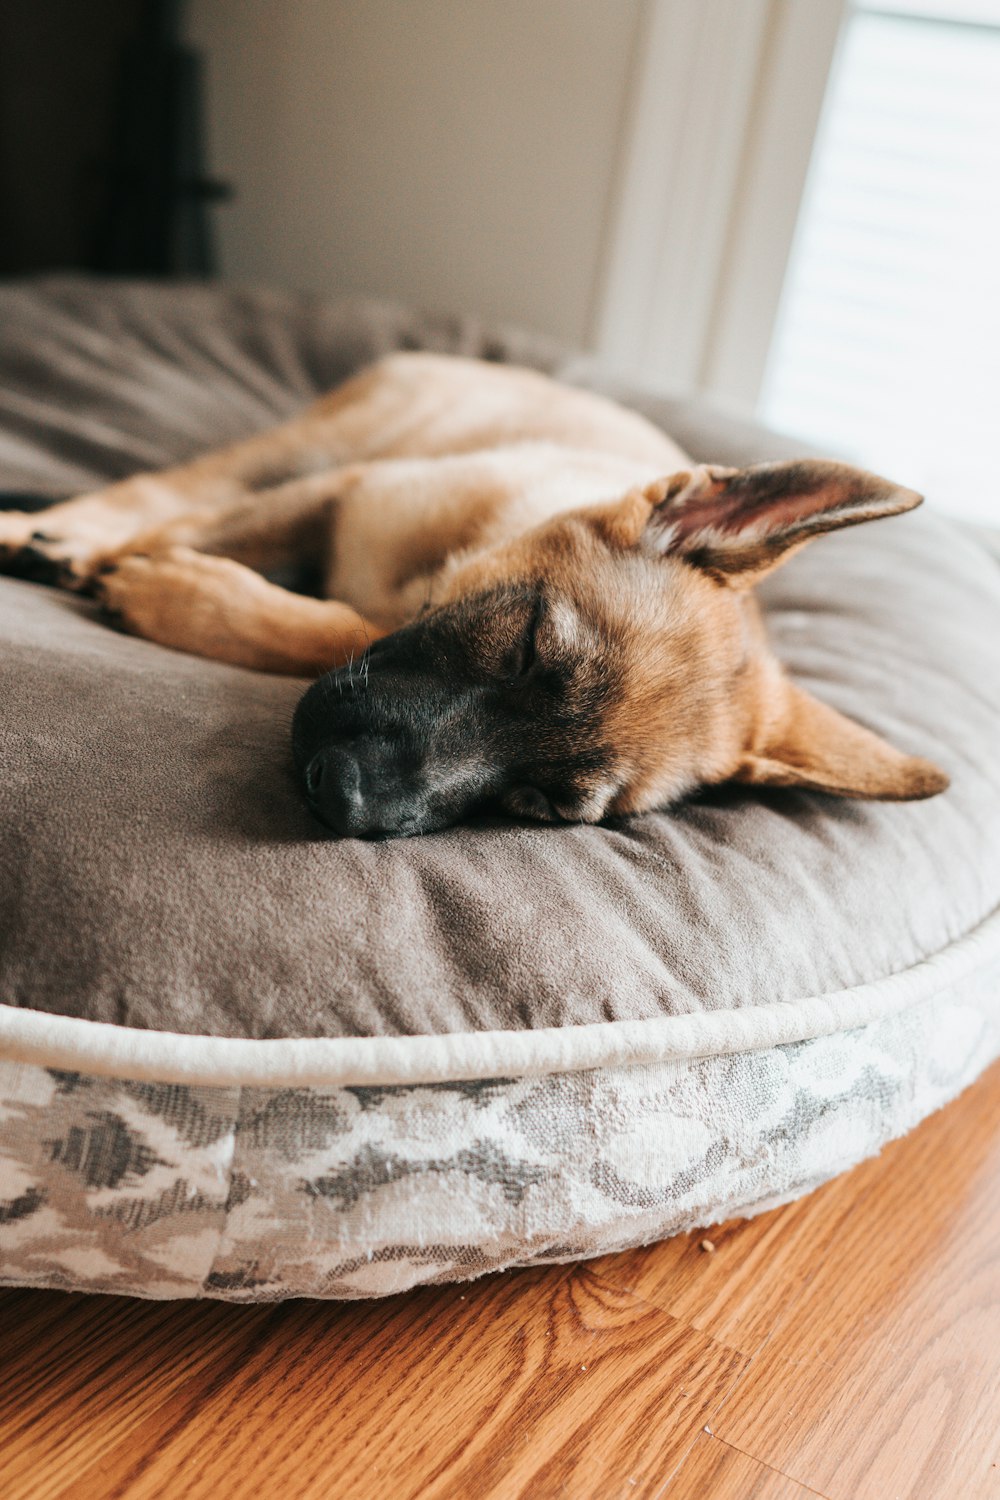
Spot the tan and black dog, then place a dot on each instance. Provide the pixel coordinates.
(531, 596)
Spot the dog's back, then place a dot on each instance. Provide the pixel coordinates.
(429, 405)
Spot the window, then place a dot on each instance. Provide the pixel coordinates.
(887, 342)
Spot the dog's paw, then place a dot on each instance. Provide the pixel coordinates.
(43, 560)
(18, 530)
(182, 598)
(66, 543)
(29, 550)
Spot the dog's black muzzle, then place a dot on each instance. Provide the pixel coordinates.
(388, 748)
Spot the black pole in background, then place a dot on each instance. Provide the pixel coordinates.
(155, 220)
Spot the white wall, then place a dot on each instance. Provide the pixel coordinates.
(454, 154)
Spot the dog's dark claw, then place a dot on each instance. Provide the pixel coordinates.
(37, 566)
(41, 536)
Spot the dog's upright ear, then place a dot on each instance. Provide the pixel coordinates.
(738, 524)
(735, 525)
(805, 743)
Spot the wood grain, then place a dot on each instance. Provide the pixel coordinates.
(846, 1346)
(713, 1469)
(751, 1280)
(521, 1384)
(886, 1380)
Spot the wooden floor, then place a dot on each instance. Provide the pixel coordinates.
(846, 1346)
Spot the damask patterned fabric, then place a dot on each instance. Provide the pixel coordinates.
(239, 1062)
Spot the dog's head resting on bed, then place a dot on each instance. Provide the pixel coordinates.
(609, 661)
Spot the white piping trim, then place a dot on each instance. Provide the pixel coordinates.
(66, 1042)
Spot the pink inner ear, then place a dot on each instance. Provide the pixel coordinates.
(768, 499)
(783, 503)
(725, 515)
(734, 514)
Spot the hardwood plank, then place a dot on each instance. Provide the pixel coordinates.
(539, 1385)
(751, 1280)
(714, 1469)
(886, 1381)
(85, 1374)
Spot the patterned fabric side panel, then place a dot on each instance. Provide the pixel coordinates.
(166, 1191)
(363, 1192)
(110, 1186)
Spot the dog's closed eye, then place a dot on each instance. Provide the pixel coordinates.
(529, 802)
(525, 653)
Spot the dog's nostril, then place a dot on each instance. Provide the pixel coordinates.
(314, 774)
(356, 799)
(332, 785)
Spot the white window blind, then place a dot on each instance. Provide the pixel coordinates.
(887, 343)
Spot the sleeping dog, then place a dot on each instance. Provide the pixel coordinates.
(531, 595)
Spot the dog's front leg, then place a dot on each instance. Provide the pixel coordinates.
(62, 543)
(287, 526)
(68, 541)
(215, 607)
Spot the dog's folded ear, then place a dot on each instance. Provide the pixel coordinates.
(808, 744)
(738, 524)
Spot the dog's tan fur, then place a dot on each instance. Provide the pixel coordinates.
(427, 479)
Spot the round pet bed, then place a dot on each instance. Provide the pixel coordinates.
(239, 1060)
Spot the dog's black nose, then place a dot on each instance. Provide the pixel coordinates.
(358, 801)
(333, 790)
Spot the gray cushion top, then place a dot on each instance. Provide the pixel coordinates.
(158, 870)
